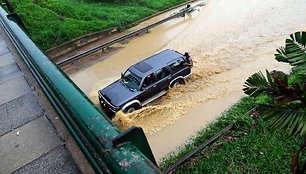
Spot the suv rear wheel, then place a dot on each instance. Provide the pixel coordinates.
(130, 110)
(177, 82)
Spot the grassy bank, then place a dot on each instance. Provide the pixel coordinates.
(251, 148)
(53, 22)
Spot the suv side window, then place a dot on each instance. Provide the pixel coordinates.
(177, 64)
(162, 73)
(149, 80)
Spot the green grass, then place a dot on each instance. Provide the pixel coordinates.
(53, 22)
(250, 148)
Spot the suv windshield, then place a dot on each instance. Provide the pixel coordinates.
(130, 80)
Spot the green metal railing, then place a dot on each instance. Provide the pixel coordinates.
(107, 149)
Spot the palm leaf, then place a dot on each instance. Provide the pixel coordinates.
(288, 91)
(281, 79)
(258, 84)
(286, 119)
(294, 52)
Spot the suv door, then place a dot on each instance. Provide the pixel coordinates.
(148, 88)
(154, 90)
(179, 67)
(162, 78)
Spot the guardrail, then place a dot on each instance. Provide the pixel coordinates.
(107, 149)
(124, 37)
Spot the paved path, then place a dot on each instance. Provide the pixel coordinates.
(29, 143)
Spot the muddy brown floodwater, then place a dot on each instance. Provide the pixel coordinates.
(228, 41)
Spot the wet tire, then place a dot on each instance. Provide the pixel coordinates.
(177, 82)
(131, 109)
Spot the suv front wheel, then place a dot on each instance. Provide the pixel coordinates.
(131, 108)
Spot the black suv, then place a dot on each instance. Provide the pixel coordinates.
(146, 81)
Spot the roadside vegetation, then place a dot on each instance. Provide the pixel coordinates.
(251, 147)
(254, 146)
(53, 22)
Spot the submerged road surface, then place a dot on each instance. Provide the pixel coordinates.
(228, 41)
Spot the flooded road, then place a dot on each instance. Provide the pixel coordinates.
(228, 41)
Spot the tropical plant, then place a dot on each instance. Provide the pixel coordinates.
(288, 92)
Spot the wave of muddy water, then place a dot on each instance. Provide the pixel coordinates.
(228, 41)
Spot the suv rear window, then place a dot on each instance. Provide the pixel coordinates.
(177, 64)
